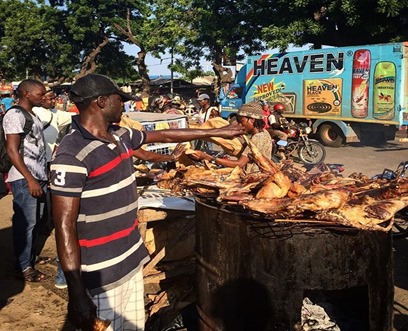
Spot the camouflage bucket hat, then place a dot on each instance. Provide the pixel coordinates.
(252, 109)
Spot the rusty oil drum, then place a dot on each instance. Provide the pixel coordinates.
(253, 274)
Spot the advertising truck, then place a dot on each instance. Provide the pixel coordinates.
(345, 93)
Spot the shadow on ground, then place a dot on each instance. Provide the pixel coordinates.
(9, 285)
(401, 281)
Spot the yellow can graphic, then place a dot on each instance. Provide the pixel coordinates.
(384, 91)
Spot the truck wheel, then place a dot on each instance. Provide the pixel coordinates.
(331, 135)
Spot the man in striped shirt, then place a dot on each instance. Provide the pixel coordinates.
(94, 199)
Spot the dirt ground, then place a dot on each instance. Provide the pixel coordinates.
(27, 306)
(35, 307)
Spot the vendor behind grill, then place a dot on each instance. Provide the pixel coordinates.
(250, 115)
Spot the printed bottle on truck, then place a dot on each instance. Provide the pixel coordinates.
(359, 87)
(384, 91)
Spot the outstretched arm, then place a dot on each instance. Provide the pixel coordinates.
(180, 135)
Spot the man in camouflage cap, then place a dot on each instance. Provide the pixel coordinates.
(251, 110)
(250, 116)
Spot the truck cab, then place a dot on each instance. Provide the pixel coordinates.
(232, 96)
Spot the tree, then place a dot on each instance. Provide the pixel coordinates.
(60, 40)
(189, 74)
(29, 39)
(337, 23)
(227, 32)
(119, 67)
(89, 23)
(155, 27)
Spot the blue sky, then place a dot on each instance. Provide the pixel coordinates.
(159, 67)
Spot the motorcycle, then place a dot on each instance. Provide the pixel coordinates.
(400, 228)
(309, 151)
(160, 104)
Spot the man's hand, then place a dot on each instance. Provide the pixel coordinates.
(199, 155)
(230, 131)
(81, 311)
(35, 188)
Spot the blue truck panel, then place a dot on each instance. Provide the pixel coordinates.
(345, 86)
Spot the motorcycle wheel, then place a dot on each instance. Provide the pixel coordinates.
(400, 228)
(312, 154)
(290, 148)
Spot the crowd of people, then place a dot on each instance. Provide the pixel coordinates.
(86, 187)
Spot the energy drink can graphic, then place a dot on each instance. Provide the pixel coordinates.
(360, 83)
(384, 91)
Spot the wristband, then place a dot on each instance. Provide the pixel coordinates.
(213, 160)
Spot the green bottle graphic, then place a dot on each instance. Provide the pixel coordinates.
(384, 91)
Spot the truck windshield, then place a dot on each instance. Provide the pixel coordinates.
(235, 93)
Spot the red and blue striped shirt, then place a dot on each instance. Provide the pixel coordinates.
(101, 173)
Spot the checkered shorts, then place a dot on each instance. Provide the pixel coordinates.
(124, 305)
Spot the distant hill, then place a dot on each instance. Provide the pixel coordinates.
(162, 76)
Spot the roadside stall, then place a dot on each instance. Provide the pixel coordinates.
(281, 249)
(159, 121)
(286, 249)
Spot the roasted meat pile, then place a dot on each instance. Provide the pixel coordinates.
(287, 192)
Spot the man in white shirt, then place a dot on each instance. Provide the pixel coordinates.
(206, 111)
(27, 176)
(53, 120)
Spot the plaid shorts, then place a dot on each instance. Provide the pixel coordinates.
(123, 305)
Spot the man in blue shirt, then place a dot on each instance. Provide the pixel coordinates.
(7, 101)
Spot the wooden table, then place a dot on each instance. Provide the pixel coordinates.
(167, 232)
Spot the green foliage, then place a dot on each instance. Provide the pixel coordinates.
(27, 31)
(51, 42)
(187, 73)
(52, 39)
(119, 67)
(159, 25)
(337, 22)
(225, 30)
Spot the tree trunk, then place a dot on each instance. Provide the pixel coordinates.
(141, 65)
(89, 65)
(57, 81)
(141, 56)
(217, 65)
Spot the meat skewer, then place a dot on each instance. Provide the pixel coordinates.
(261, 160)
(368, 216)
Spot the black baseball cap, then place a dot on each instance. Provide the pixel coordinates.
(92, 86)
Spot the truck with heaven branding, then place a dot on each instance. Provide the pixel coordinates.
(345, 93)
